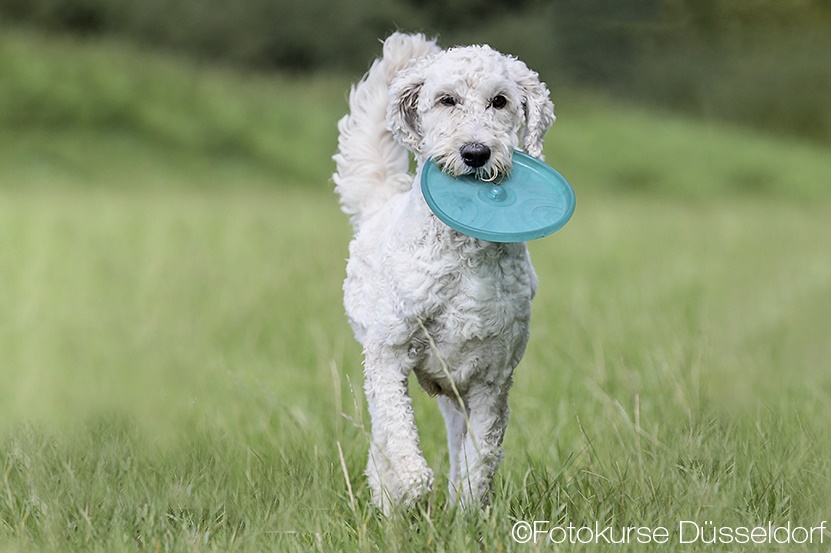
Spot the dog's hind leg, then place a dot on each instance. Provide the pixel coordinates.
(397, 472)
(454, 421)
(480, 453)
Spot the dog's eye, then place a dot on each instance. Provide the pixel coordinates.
(448, 101)
(499, 101)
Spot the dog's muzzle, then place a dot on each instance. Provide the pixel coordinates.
(475, 155)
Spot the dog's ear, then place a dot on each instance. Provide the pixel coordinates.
(402, 113)
(538, 108)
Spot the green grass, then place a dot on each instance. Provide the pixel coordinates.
(176, 372)
(82, 114)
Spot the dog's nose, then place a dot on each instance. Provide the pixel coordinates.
(475, 155)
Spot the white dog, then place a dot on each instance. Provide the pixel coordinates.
(420, 296)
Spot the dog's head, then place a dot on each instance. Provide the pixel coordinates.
(468, 108)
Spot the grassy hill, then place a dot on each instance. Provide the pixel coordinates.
(74, 113)
(176, 372)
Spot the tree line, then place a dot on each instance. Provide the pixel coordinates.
(762, 63)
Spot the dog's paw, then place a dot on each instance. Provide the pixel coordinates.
(416, 486)
(405, 489)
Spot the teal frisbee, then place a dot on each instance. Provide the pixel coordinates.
(532, 202)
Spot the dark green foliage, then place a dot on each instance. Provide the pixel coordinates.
(761, 63)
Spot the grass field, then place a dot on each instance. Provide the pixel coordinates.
(176, 373)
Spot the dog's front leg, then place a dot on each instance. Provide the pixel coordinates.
(397, 471)
(481, 454)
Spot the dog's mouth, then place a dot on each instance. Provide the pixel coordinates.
(493, 172)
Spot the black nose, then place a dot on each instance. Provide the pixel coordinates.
(475, 155)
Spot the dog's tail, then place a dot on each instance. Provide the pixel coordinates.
(371, 166)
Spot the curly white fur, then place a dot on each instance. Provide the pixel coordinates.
(421, 297)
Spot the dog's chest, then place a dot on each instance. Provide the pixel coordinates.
(476, 307)
(488, 290)
(407, 270)
(474, 288)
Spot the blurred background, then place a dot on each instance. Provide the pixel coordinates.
(761, 63)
